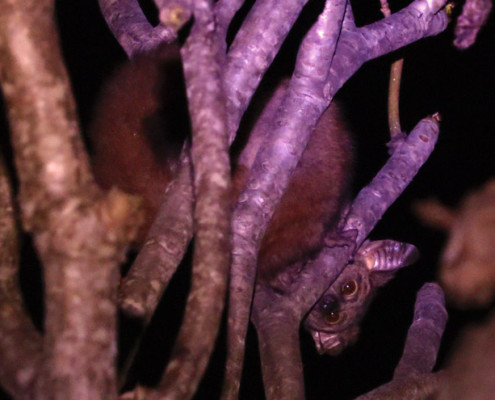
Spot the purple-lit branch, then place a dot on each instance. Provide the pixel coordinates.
(165, 246)
(253, 50)
(474, 15)
(305, 100)
(202, 61)
(413, 379)
(299, 114)
(367, 209)
(131, 28)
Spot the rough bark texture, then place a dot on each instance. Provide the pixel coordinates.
(131, 28)
(254, 209)
(164, 248)
(202, 62)
(79, 233)
(413, 379)
(20, 343)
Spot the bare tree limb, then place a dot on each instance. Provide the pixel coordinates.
(267, 25)
(352, 50)
(425, 333)
(164, 248)
(413, 379)
(80, 234)
(225, 11)
(20, 343)
(474, 15)
(202, 69)
(131, 28)
(367, 209)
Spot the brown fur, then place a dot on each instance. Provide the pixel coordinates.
(313, 199)
(135, 143)
(130, 152)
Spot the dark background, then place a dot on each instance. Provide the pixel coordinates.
(437, 77)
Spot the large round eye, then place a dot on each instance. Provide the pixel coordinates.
(349, 288)
(333, 317)
(330, 309)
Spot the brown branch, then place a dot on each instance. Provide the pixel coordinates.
(20, 343)
(393, 87)
(80, 235)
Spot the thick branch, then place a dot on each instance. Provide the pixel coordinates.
(79, 234)
(20, 343)
(306, 98)
(253, 50)
(299, 111)
(202, 63)
(425, 333)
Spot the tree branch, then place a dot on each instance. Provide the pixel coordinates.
(266, 26)
(131, 28)
(20, 343)
(351, 52)
(164, 248)
(413, 379)
(80, 234)
(202, 69)
(366, 211)
(474, 15)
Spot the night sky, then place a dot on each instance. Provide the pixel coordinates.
(437, 77)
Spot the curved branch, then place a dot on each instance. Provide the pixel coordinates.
(424, 334)
(413, 379)
(131, 28)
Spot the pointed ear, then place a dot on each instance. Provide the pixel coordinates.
(386, 255)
